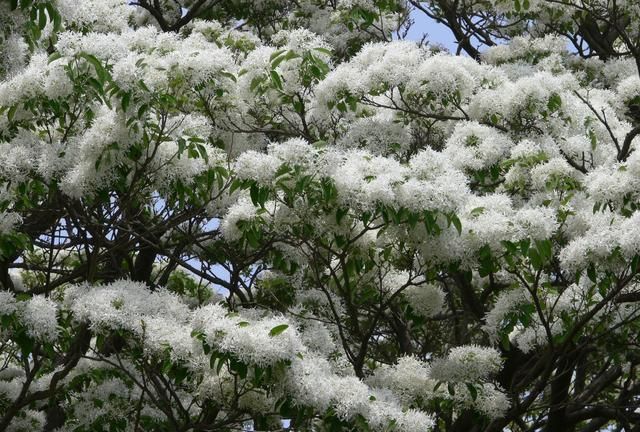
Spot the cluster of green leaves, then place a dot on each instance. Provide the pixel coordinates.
(41, 13)
(184, 285)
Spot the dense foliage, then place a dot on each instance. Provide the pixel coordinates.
(276, 214)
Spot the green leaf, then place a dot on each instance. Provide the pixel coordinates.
(198, 334)
(101, 72)
(25, 343)
(634, 263)
(179, 374)
(53, 57)
(276, 80)
(54, 16)
(235, 185)
(143, 86)
(324, 51)
(456, 223)
(42, 16)
(340, 214)
(221, 362)
(229, 75)
(592, 274)
(276, 54)
(535, 259)
(504, 341)
(255, 83)
(12, 112)
(239, 367)
(288, 56)
(593, 139)
(361, 423)
(477, 211)
(278, 329)
(472, 391)
(95, 84)
(544, 247)
(142, 110)
(254, 193)
(554, 103)
(126, 99)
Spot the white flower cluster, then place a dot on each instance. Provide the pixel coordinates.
(526, 97)
(522, 148)
(489, 221)
(363, 180)
(615, 182)
(257, 166)
(382, 134)
(474, 146)
(9, 222)
(525, 48)
(629, 88)
(115, 395)
(248, 337)
(437, 83)
(251, 338)
(13, 54)
(606, 234)
(469, 363)
(426, 300)
(493, 218)
(313, 384)
(410, 378)
(7, 303)
(38, 315)
(506, 303)
(160, 318)
(28, 421)
(97, 15)
(435, 184)
(242, 210)
(415, 380)
(27, 84)
(376, 67)
(448, 81)
(87, 158)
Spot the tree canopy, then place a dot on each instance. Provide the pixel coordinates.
(226, 215)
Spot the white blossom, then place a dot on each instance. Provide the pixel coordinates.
(467, 363)
(39, 316)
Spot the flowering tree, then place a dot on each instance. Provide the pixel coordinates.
(276, 214)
